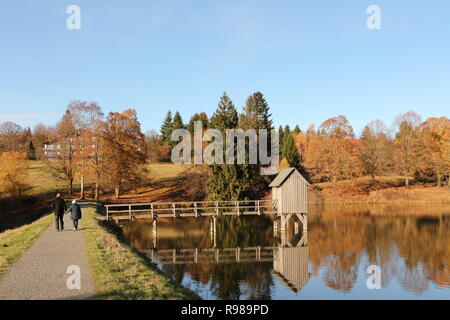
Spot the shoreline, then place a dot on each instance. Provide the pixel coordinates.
(120, 272)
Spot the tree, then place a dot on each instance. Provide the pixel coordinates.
(13, 174)
(11, 137)
(203, 117)
(86, 119)
(431, 161)
(124, 149)
(255, 115)
(330, 153)
(167, 128)
(374, 153)
(41, 134)
(177, 121)
(337, 128)
(225, 180)
(290, 152)
(157, 151)
(63, 162)
(406, 144)
(297, 129)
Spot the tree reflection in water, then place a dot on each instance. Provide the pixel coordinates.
(410, 244)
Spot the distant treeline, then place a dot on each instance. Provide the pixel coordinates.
(111, 152)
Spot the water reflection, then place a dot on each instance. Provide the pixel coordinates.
(245, 261)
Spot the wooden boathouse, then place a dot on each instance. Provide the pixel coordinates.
(290, 192)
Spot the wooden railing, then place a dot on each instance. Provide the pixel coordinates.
(190, 209)
(223, 255)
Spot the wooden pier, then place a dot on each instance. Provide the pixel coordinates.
(289, 200)
(190, 209)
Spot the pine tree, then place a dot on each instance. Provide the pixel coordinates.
(255, 116)
(286, 134)
(291, 153)
(31, 152)
(256, 113)
(178, 121)
(203, 117)
(167, 127)
(297, 129)
(225, 182)
(226, 116)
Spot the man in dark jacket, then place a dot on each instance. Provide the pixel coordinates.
(75, 214)
(59, 207)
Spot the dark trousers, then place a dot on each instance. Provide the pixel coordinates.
(75, 224)
(59, 221)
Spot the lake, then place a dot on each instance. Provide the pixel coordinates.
(409, 247)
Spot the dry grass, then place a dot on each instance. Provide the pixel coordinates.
(121, 272)
(388, 189)
(160, 171)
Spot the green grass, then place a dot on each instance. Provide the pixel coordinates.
(16, 241)
(120, 272)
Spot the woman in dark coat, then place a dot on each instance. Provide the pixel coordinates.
(75, 214)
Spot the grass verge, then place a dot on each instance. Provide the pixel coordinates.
(16, 241)
(120, 272)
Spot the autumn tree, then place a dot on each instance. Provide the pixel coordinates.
(125, 151)
(63, 162)
(406, 144)
(11, 137)
(330, 153)
(432, 161)
(86, 119)
(157, 151)
(13, 174)
(41, 134)
(375, 149)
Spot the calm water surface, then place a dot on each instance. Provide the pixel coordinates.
(245, 260)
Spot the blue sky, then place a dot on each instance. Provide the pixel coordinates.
(311, 59)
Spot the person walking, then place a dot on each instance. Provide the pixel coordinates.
(75, 214)
(59, 207)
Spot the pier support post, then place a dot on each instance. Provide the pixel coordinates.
(154, 228)
(275, 227)
(296, 227)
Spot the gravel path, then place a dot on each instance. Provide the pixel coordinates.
(42, 271)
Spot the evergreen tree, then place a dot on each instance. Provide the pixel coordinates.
(31, 152)
(177, 121)
(297, 129)
(256, 113)
(280, 132)
(167, 127)
(256, 116)
(226, 116)
(203, 117)
(225, 182)
(286, 134)
(291, 153)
